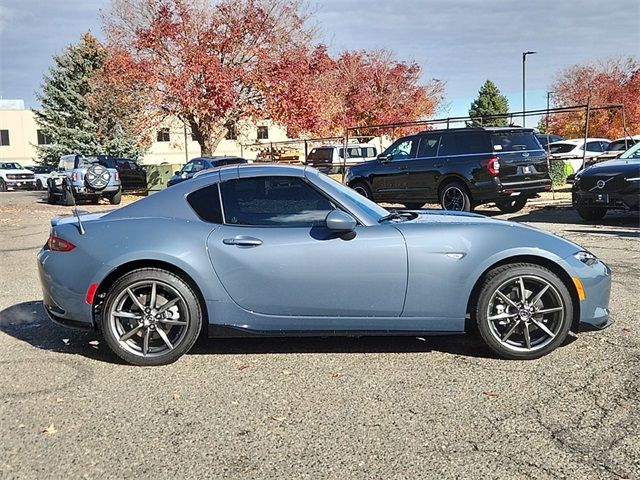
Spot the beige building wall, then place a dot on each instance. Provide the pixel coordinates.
(23, 137)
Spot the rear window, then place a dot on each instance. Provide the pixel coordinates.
(206, 203)
(514, 142)
(561, 147)
(321, 154)
(86, 162)
(620, 145)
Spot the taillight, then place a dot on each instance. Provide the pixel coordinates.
(74, 176)
(58, 244)
(493, 165)
(117, 176)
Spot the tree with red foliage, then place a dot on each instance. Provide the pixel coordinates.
(610, 82)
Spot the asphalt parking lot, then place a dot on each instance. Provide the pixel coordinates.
(439, 407)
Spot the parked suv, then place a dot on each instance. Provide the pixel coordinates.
(42, 174)
(331, 158)
(87, 177)
(132, 175)
(202, 163)
(459, 168)
(13, 176)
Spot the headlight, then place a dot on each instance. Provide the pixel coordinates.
(586, 258)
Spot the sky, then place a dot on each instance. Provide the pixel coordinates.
(461, 42)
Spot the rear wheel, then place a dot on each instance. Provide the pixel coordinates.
(511, 204)
(3, 185)
(151, 317)
(116, 198)
(39, 185)
(67, 196)
(455, 196)
(363, 189)
(592, 213)
(524, 311)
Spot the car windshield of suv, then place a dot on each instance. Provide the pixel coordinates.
(514, 142)
(321, 154)
(632, 153)
(620, 145)
(10, 166)
(561, 147)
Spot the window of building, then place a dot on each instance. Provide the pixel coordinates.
(232, 132)
(42, 138)
(274, 201)
(263, 133)
(4, 138)
(163, 135)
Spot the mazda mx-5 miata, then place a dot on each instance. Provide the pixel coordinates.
(279, 250)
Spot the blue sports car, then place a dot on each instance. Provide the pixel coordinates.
(280, 250)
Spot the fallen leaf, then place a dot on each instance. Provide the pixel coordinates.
(278, 419)
(59, 400)
(336, 374)
(286, 372)
(50, 430)
(242, 367)
(21, 425)
(489, 393)
(626, 329)
(235, 404)
(176, 396)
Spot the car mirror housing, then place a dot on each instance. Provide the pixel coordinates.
(177, 172)
(383, 158)
(339, 221)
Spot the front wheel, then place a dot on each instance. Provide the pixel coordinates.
(592, 213)
(363, 189)
(3, 185)
(455, 196)
(511, 204)
(151, 317)
(523, 311)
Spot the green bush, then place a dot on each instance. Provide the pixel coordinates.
(559, 172)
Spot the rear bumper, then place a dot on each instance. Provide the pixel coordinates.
(493, 190)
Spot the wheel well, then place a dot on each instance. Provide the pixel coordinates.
(453, 178)
(543, 262)
(125, 268)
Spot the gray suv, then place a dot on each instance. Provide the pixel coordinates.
(87, 178)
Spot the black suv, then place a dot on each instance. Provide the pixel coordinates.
(460, 168)
(132, 175)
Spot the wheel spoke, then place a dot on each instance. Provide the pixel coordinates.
(508, 334)
(130, 333)
(172, 322)
(122, 314)
(523, 291)
(548, 310)
(168, 305)
(502, 316)
(506, 299)
(135, 299)
(527, 337)
(544, 328)
(164, 337)
(152, 302)
(539, 295)
(145, 343)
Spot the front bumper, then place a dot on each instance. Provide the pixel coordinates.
(609, 200)
(21, 184)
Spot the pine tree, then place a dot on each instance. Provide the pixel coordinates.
(489, 102)
(66, 116)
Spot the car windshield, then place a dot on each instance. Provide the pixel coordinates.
(632, 153)
(620, 145)
(561, 147)
(10, 166)
(513, 142)
(372, 209)
(321, 154)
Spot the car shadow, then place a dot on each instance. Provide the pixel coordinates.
(29, 323)
(567, 215)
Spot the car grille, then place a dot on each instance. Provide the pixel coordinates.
(611, 184)
(20, 176)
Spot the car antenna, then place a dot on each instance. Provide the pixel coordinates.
(75, 208)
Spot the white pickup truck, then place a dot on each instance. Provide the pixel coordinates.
(14, 177)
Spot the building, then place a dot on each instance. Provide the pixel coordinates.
(173, 143)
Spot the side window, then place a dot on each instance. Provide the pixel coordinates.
(369, 152)
(428, 146)
(123, 164)
(273, 201)
(594, 147)
(464, 144)
(403, 149)
(206, 203)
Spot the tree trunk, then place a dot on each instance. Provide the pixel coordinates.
(206, 138)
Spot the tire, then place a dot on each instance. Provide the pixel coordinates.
(39, 185)
(413, 205)
(97, 177)
(511, 204)
(51, 198)
(3, 185)
(67, 197)
(180, 324)
(116, 198)
(592, 213)
(455, 196)
(363, 189)
(504, 321)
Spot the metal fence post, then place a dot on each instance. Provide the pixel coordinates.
(586, 132)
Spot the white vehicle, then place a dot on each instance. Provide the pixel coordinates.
(330, 158)
(42, 174)
(571, 151)
(14, 177)
(618, 147)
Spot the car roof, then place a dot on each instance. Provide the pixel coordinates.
(480, 129)
(632, 137)
(216, 158)
(255, 168)
(579, 141)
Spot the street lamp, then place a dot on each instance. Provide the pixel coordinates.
(548, 104)
(524, 61)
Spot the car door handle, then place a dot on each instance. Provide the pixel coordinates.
(404, 167)
(243, 241)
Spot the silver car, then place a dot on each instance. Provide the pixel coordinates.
(280, 250)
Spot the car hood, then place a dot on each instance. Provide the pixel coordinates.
(613, 167)
(448, 216)
(19, 171)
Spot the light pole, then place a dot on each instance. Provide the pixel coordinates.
(524, 62)
(548, 105)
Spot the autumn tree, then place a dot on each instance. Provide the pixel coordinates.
(73, 107)
(489, 102)
(615, 81)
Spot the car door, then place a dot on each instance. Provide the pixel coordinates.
(275, 256)
(389, 180)
(424, 170)
(126, 174)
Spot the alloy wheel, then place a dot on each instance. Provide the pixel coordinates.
(453, 198)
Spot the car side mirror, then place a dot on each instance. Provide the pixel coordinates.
(384, 158)
(339, 221)
(177, 172)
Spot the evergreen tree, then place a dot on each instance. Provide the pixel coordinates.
(69, 119)
(489, 102)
